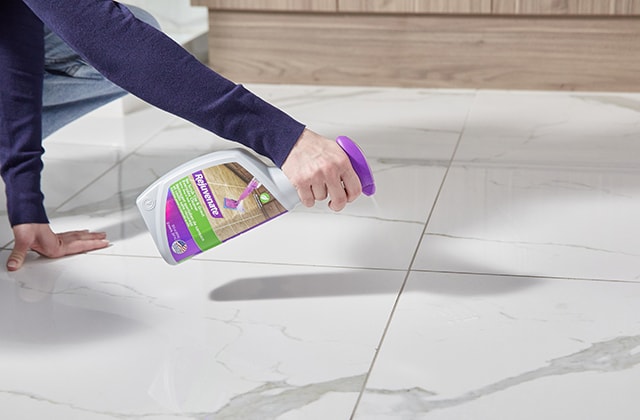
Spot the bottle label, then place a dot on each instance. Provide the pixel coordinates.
(214, 205)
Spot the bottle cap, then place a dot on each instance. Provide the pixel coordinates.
(359, 163)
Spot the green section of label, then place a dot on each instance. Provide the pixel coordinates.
(193, 214)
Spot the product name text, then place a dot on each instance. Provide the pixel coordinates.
(207, 196)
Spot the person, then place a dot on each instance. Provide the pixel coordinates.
(60, 59)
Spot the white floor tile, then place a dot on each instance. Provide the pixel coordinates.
(123, 132)
(483, 347)
(502, 316)
(398, 125)
(542, 184)
(94, 336)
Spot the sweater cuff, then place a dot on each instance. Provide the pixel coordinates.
(25, 201)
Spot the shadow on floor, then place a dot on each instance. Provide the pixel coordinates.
(366, 282)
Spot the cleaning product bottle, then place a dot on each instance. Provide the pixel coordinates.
(219, 196)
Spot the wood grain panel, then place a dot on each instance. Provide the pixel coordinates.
(567, 7)
(444, 51)
(535, 7)
(376, 6)
(415, 6)
(270, 5)
(507, 7)
(453, 6)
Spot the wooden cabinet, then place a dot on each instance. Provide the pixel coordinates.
(517, 7)
(567, 7)
(270, 5)
(589, 45)
(415, 6)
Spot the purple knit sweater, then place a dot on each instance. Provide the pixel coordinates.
(136, 57)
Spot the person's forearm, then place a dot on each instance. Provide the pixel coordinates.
(150, 65)
(21, 72)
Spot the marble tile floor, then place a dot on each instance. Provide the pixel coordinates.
(494, 275)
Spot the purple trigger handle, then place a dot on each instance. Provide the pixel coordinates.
(359, 163)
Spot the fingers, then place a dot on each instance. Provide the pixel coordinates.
(306, 196)
(40, 238)
(319, 192)
(81, 235)
(77, 242)
(319, 169)
(346, 192)
(17, 257)
(69, 243)
(338, 196)
(342, 191)
(24, 235)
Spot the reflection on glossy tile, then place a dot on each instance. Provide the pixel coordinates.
(552, 130)
(502, 232)
(202, 338)
(124, 131)
(539, 186)
(535, 222)
(397, 125)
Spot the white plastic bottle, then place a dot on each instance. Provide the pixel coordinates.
(219, 196)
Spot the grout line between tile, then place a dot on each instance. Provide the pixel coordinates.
(119, 161)
(285, 264)
(527, 276)
(413, 258)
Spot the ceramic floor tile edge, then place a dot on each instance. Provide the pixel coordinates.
(413, 257)
(279, 263)
(525, 276)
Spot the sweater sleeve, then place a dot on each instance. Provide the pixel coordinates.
(21, 73)
(147, 63)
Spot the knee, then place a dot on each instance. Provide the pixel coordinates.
(144, 16)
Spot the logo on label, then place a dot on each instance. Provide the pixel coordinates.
(179, 246)
(265, 198)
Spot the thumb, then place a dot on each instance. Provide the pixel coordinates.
(17, 257)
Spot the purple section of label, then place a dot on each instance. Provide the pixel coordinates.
(207, 196)
(179, 239)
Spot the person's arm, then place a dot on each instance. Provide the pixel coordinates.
(150, 65)
(21, 73)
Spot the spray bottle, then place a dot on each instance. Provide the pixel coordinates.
(216, 197)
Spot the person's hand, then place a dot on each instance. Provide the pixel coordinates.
(318, 168)
(40, 238)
